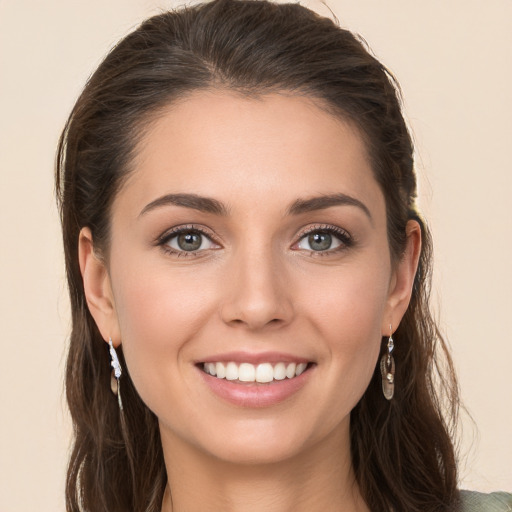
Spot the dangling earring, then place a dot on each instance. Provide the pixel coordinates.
(116, 374)
(387, 369)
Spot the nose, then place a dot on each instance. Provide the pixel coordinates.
(257, 292)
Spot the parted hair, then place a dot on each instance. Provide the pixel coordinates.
(402, 450)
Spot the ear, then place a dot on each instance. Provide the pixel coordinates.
(97, 288)
(402, 281)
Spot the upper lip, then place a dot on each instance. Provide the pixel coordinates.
(254, 358)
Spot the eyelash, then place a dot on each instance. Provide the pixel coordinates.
(164, 239)
(343, 236)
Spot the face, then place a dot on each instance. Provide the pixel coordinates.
(250, 243)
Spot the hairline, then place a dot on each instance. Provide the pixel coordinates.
(143, 124)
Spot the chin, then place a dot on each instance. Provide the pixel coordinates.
(258, 451)
(267, 441)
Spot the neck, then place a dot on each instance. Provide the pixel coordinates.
(316, 480)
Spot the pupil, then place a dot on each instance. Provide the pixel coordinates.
(189, 241)
(320, 241)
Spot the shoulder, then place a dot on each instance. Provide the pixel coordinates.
(480, 502)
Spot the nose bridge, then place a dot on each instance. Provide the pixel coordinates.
(257, 295)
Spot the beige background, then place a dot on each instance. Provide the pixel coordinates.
(453, 59)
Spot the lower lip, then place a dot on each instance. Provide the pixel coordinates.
(254, 395)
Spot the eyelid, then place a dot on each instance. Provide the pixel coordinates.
(342, 234)
(323, 227)
(163, 239)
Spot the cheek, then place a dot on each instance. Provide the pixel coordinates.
(348, 300)
(158, 312)
(348, 316)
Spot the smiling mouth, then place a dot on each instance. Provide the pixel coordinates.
(261, 373)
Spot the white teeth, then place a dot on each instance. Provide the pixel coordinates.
(264, 373)
(210, 368)
(300, 368)
(232, 371)
(290, 370)
(279, 371)
(220, 370)
(246, 372)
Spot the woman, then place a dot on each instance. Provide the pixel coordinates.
(237, 196)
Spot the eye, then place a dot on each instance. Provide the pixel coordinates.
(187, 240)
(325, 239)
(319, 241)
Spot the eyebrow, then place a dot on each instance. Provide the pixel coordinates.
(326, 201)
(210, 205)
(203, 204)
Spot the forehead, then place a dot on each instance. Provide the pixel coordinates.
(234, 148)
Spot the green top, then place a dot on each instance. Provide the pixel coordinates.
(480, 502)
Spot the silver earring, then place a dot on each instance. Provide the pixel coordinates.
(116, 374)
(387, 369)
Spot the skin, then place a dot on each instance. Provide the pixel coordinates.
(256, 286)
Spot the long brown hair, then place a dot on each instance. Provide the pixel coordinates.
(402, 450)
